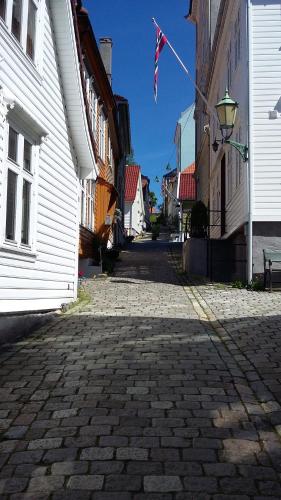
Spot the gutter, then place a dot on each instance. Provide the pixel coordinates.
(80, 58)
(250, 142)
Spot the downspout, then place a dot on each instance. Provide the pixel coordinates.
(250, 142)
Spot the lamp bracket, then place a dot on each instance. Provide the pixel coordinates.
(241, 148)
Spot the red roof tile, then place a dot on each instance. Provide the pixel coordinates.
(187, 188)
(190, 169)
(131, 181)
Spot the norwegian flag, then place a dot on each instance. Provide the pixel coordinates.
(161, 40)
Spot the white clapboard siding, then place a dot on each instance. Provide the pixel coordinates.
(265, 48)
(128, 216)
(47, 277)
(138, 209)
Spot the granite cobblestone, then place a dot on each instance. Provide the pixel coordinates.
(156, 390)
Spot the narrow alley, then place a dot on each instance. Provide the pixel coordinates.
(154, 390)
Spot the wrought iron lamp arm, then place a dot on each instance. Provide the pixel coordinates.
(241, 148)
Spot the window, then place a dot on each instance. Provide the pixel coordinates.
(3, 9)
(31, 27)
(16, 18)
(102, 136)
(25, 212)
(19, 188)
(11, 205)
(13, 145)
(95, 105)
(21, 17)
(27, 155)
(87, 204)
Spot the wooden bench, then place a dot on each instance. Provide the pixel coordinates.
(270, 258)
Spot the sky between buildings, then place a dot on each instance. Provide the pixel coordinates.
(129, 24)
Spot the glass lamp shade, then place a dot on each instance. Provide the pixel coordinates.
(226, 111)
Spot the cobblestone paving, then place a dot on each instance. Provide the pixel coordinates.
(143, 395)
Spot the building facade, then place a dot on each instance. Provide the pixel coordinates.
(146, 200)
(98, 193)
(123, 111)
(169, 192)
(134, 203)
(185, 138)
(41, 155)
(204, 16)
(245, 197)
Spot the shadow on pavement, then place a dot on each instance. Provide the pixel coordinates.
(113, 399)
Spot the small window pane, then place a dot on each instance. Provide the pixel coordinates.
(13, 144)
(3, 9)
(27, 155)
(16, 18)
(25, 212)
(31, 27)
(11, 205)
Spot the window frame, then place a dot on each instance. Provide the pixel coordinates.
(22, 41)
(3, 18)
(17, 167)
(87, 204)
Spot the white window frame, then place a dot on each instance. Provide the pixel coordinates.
(102, 122)
(87, 204)
(17, 168)
(22, 43)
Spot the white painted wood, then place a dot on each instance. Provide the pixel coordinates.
(265, 47)
(45, 276)
(134, 215)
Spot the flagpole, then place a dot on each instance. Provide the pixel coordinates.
(186, 70)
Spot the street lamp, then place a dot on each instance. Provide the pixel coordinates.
(227, 111)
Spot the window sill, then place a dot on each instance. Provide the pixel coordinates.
(23, 251)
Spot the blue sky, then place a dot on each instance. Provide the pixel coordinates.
(129, 24)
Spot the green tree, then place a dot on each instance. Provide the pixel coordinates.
(152, 200)
(130, 160)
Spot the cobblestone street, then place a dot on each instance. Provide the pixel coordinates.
(154, 390)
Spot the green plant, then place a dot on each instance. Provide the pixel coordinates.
(238, 284)
(155, 229)
(256, 285)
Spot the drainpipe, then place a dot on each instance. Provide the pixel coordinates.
(250, 142)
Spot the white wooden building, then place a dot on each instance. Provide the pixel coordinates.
(45, 148)
(134, 203)
(245, 198)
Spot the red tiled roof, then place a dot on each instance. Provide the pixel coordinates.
(190, 169)
(187, 188)
(131, 181)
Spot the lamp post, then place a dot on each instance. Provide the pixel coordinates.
(227, 112)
